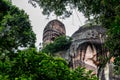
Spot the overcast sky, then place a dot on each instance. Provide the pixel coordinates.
(39, 21)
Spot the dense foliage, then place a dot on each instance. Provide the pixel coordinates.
(60, 44)
(113, 42)
(28, 64)
(32, 65)
(15, 28)
(104, 12)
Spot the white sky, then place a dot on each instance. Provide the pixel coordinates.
(39, 21)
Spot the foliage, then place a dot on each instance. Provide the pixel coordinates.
(32, 65)
(104, 12)
(113, 42)
(100, 9)
(60, 44)
(4, 6)
(15, 28)
(15, 32)
(80, 74)
(57, 7)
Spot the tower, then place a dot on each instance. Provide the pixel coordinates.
(53, 29)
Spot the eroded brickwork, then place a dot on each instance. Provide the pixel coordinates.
(53, 29)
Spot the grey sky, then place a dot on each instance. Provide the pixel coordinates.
(39, 21)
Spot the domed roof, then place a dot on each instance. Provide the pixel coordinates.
(52, 30)
(87, 35)
(54, 22)
(82, 29)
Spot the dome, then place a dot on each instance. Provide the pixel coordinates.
(54, 23)
(53, 29)
(87, 35)
(87, 32)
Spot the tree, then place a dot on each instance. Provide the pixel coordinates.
(15, 32)
(100, 9)
(113, 42)
(15, 28)
(61, 43)
(32, 65)
(104, 12)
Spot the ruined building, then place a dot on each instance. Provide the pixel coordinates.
(86, 46)
(86, 49)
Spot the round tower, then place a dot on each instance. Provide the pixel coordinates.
(53, 29)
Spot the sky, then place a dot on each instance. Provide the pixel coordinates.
(39, 21)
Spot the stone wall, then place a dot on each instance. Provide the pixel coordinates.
(87, 48)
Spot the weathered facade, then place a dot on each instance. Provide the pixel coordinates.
(87, 44)
(86, 49)
(52, 30)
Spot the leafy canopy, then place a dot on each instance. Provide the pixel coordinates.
(15, 28)
(104, 12)
(32, 65)
(60, 44)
